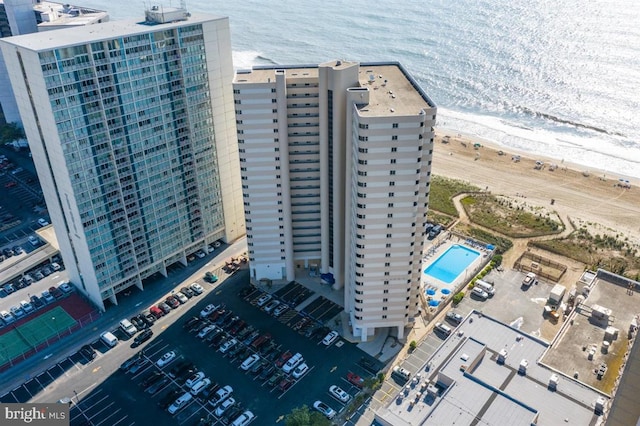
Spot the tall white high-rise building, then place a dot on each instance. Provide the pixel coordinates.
(336, 164)
(132, 132)
(29, 16)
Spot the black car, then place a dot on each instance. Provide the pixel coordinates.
(145, 335)
(267, 371)
(88, 352)
(158, 385)
(168, 399)
(178, 370)
(215, 333)
(152, 378)
(138, 323)
(7, 252)
(191, 322)
(148, 318)
(128, 363)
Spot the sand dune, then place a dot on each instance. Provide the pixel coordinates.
(595, 197)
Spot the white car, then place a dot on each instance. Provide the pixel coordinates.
(208, 310)
(194, 379)
(228, 345)
(42, 222)
(280, 310)
(220, 395)
(243, 419)
(166, 359)
(479, 293)
(48, 297)
(339, 394)
(180, 403)
(293, 362)
(330, 338)
(271, 306)
(196, 288)
(200, 386)
(26, 306)
(228, 403)
(249, 362)
(181, 297)
(200, 254)
(300, 370)
(327, 411)
(208, 329)
(263, 299)
(7, 317)
(65, 287)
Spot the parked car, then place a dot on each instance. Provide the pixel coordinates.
(88, 352)
(57, 293)
(156, 312)
(220, 395)
(243, 419)
(330, 338)
(157, 385)
(26, 307)
(17, 311)
(7, 317)
(47, 296)
(323, 408)
(250, 361)
(128, 363)
(42, 222)
(263, 299)
(169, 398)
(200, 386)
(172, 301)
(454, 317)
(191, 322)
(17, 250)
(443, 329)
(194, 378)
(166, 359)
(37, 302)
(65, 287)
(208, 310)
(180, 368)
(226, 404)
(401, 373)
(164, 307)
(300, 370)
(142, 337)
(210, 277)
(355, 380)
(180, 403)
(226, 346)
(181, 297)
(284, 357)
(338, 393)
(280, 310)
(479, 293)
(187, 292)
(138, 365)
(271, 306)
(196, 288)
(292, 362)
(152, 378)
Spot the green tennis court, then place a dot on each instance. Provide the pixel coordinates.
(33, 333)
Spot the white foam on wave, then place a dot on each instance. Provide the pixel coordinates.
(245, 59)
(604, 152)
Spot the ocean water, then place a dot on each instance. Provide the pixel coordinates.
(560, 79)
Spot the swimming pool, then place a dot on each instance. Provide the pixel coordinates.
(451, 263)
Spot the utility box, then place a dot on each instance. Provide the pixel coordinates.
(556, 295)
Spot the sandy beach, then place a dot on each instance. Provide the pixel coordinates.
(595, 198)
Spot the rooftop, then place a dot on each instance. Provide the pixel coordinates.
(391, 89)
(41, 42)
(55, 15)
(467, 364)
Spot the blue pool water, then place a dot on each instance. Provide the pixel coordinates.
(451, 263)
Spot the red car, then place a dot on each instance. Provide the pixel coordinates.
(283, 358)
(172, 301)
(286, 384)
(56, 292)
(156, 312)
(355, 380)
(260, 341)
(10, 184)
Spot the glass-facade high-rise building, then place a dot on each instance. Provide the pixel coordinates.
(132, 131)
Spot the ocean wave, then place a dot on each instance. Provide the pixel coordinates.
(245, 59)
(556, 119)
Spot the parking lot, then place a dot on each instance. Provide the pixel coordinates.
(101, 392)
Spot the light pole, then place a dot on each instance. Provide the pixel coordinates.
(55, 324)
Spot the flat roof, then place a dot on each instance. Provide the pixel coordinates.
(45, 41)
(474, 388)
(391, 88)
(67, 14)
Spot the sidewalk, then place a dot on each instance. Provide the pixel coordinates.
(128, 307)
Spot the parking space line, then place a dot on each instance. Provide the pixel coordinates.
(97, 402)
(106, 408)
(121, 419)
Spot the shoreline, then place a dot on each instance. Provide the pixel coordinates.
(488, 143)
(594, 198)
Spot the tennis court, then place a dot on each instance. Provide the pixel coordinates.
(33, 333)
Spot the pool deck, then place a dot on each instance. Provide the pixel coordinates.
(437, 249)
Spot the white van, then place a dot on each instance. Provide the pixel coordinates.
(486, 287)
(127, 327)
(108, 338)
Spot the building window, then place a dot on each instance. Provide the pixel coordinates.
(392, 172)
(393, 161)
(395, 125)
(384, 317)
(387, 255)
(394, 138)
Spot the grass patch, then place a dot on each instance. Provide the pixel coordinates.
(501, 244)
(596, 251)
(508, 219)
(442, 192)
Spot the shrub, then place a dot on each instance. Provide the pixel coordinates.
(457, 298)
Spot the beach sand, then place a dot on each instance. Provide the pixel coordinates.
(596, 198)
